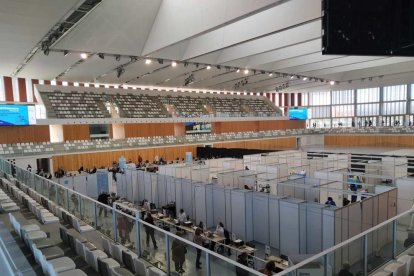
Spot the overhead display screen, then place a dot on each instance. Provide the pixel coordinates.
(17, 115)
(298, 113)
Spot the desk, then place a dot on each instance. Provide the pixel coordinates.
(279, 262)
(246, 249)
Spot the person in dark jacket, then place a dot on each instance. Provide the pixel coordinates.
(178, 253)
(242, 259)
(345, 270)
(149, 230)
(103, 198)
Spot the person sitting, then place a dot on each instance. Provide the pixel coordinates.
(330, 201)
(93, 170)
(269, 268)
(345, 270)
(80, 169)
(182, 217)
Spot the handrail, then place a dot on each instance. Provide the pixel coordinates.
(6, 253)
(334, 248)
(208, 251)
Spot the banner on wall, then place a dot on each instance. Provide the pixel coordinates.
(17, 115)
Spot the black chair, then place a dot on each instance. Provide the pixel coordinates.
(102, 268)
(128, 261)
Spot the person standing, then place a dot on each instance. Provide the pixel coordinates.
(150, 230)
(199, 240)
(178, 253)
(103, 198)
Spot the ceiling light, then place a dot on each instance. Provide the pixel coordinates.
(292, 77)
(173, 64)
(148, 61)
(208, 67)
(332, 82)
(117, 57)
(246, 71)
(305, 78)
(65, 53)
(160, 61)
(101, 56)
(238, 71)
(270, 74)
(84, 55)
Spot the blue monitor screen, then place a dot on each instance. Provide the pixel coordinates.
(298, 113)
(17, 115)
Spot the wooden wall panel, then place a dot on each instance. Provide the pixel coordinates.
(264, 144)
(239, 126)
(179, 129)
(406, 141)
(24, 134)
(149, 129)
(75, 132)
(72, 162)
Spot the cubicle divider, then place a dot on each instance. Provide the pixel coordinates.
(88, 184)
(111, 224)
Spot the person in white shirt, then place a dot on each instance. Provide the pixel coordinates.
(220, 229)
(182, 217)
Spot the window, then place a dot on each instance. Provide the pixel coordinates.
(368, 109)
(368, 95)
(319, 98)
(395, 93)
(343, 111)
(394, 108)
(320, 112)
(343, 97)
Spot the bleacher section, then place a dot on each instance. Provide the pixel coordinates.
(74, 105)
(139, 106)
(93, 103)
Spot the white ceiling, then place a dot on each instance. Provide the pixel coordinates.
(271, 35)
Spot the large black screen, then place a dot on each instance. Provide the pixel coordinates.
(368, 27)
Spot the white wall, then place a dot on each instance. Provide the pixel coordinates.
(118, 131)
(56, 133)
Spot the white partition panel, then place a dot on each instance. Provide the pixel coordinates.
(219, 203)
(121, 185)
(330, 223)
(274, 222)
(314, 233)
(261, 218)
(290, 232)
(242, 214)
(170, 189)
(203, 204)
(141, 185)
(187, 197)
(161, 190)
(92, 186)
(79, 183)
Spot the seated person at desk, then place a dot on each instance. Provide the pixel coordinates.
(330, 201)
(146, 205)
(93, 170)
(269, 268)
(242, 259)
(345, 270)
(224, 233)
(182, 217)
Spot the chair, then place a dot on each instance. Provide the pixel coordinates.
(106, 244)
(116, 250)
(92, 257)
(105, 266)
(80, 249)
(409, 262)
(140, 267)
(396, 268)
(128, 259)
(74, 272)
(153, 271)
